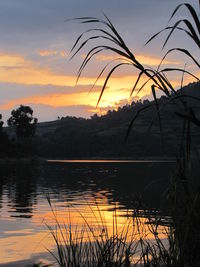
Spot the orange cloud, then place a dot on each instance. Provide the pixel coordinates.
(46, 53)
(7, 60)
(29, 73)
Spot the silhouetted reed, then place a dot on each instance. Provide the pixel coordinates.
(130, 244)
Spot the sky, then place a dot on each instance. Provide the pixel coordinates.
(35, 43)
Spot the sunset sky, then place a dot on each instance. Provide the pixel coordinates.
(35, 41)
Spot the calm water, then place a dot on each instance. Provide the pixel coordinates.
(75, 187)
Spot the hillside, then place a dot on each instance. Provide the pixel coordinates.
(104, 136)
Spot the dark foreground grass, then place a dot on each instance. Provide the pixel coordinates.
(137, 242)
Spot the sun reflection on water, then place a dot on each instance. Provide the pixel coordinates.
(85, 219)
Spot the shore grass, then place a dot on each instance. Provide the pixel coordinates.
(137, 242)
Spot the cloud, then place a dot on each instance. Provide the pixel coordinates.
(47, 53)
(29, 72)
(11, 61)
(11, 91)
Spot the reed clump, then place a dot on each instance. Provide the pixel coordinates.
(100, 243)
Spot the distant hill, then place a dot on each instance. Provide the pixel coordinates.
(103, 136)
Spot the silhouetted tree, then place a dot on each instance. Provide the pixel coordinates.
(23, 121)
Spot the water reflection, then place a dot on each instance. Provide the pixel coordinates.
(19, 184)
(74, 186)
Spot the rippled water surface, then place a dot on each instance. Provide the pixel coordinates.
(78, 188)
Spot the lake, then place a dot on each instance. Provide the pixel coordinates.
(77, 189)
